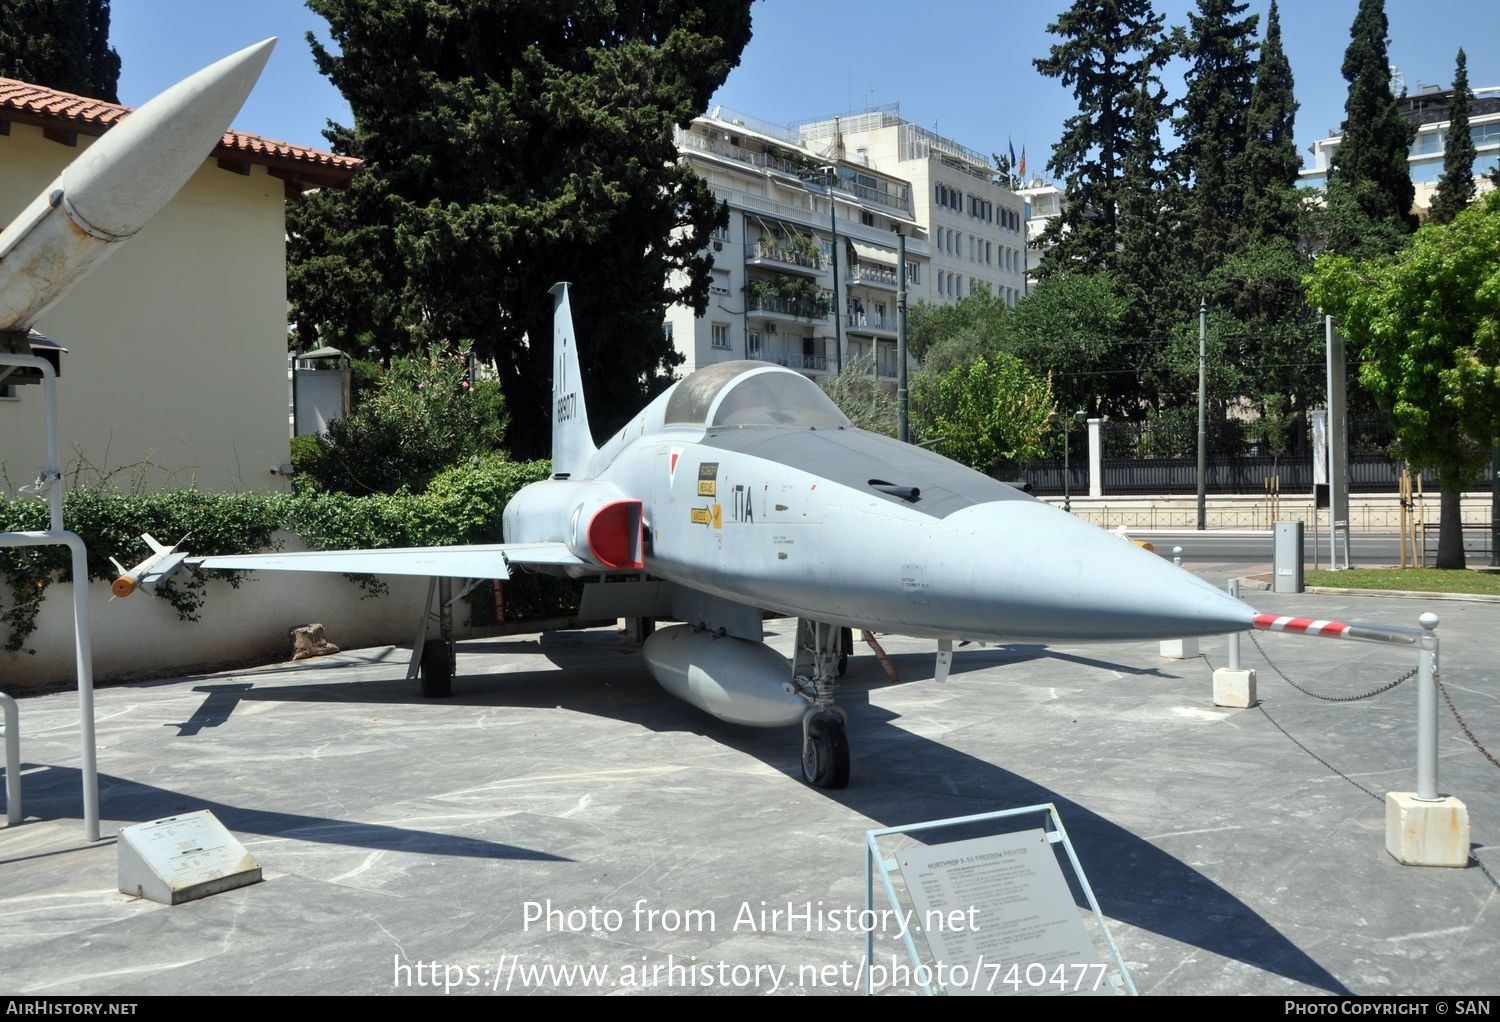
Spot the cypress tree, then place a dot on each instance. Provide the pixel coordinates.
(1106, 51)
(1270, 164)
(511, 144)
(62, 44)
(1455, 191)
(1154, 270)
(1370, 177)
(1219, 47)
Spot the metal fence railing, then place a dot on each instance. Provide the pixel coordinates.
(1368, 473)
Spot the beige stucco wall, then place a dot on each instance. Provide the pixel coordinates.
(176, 371)
(142, 635)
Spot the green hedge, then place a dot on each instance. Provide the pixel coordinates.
(462, 504)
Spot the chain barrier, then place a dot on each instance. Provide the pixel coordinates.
(1437, 678)
(1463, 725)
(1329, 699)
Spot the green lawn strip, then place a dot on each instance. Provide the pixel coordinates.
(1417, 580)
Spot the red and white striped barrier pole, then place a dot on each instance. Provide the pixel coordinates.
(1336, 629)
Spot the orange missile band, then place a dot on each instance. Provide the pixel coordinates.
(122, 586)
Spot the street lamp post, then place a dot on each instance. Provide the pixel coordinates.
(1078, 416)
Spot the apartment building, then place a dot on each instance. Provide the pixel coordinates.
(976, 227)
(1428, 109)
(805, 275)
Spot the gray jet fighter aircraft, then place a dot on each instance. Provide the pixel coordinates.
(743, 490)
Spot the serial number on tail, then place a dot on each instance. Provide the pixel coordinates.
(567, 407)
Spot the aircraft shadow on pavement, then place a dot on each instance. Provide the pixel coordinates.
(52, 793)
(897, 778)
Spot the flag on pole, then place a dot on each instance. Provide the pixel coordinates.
(1012, 153)
(1021, 170)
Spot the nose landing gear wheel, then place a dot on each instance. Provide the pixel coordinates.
(825, 758)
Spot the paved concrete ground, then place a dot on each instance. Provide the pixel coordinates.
(1232, 851)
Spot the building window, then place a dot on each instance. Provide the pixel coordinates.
(721, 335)
(913, 273)
(867, 218)
(753, 344)
(940, 287)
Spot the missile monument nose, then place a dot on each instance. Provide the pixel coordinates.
(127, 176)
(1068, 579)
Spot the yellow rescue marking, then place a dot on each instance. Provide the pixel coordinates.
(702, 516)
(718, 516)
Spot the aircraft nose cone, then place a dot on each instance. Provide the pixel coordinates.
(1059, 577)
(128, 175)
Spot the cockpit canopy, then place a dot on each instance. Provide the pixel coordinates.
(752, 394)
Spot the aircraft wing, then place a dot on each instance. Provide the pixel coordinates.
(477, 561)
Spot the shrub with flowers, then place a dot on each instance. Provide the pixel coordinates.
(427, 413)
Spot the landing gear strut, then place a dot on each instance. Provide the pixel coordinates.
(820, 658)
(432, 659)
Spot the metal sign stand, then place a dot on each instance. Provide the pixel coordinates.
(51, 479)
(877, 861)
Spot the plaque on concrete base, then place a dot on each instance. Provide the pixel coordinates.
(998, 917)
(182, 858)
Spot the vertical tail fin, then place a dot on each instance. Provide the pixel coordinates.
(572, 442)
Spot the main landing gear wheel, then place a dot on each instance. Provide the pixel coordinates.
(825, 757)
(436, 671)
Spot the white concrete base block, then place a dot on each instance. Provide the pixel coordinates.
(1421, 833)
(1234, 687)
(1179, 649)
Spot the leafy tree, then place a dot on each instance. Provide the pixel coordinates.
(1369, 177)
(1268, 169)
(1070, 327)
(1427, 321)
(62, 44)
(1271, 335)
(1455, 190)
(510, 144)
(1107, 51)
(978, 317)
(991, 414)
(862, 397)
(425, 415)
(1220, 48)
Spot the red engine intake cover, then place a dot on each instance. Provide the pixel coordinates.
(615, 535)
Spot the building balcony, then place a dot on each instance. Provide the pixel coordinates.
(883, 277)
(718, 147)
(879, 197)
(772, 306)
(786, 255)
(870, 323)
(805, 362)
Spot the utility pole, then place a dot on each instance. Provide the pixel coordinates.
(903, 431)
(838, 313)
(1202, 412)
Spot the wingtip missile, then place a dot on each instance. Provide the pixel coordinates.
(109, 192)
(164, 562)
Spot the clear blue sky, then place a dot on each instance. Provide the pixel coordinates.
(962, 67)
